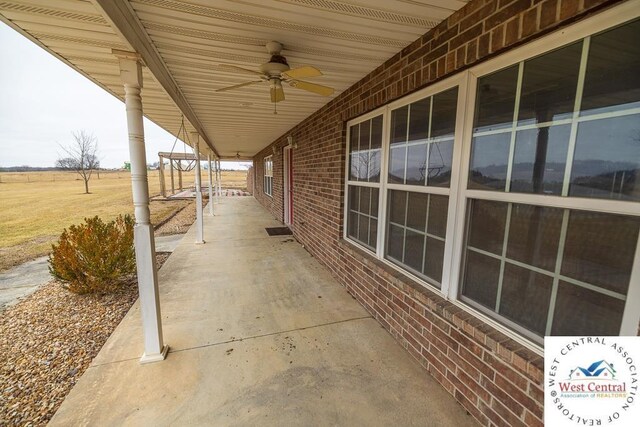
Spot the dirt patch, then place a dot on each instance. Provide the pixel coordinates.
(180, 222)
(48, 340)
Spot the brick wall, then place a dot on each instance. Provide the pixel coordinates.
(496, 379)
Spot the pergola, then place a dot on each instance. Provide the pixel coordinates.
(175, 163)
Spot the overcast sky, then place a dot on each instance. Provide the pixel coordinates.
(43, 101)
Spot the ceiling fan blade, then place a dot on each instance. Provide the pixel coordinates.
(238, 86)
(277, 94)
(303, 72)
(312, 87)
(236, 68)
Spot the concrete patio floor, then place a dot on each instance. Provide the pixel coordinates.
(260, 334)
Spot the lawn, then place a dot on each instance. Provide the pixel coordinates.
(36, 206)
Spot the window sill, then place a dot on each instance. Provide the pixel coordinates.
(466, 324)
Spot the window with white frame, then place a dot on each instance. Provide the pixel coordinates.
(565, 123)
(420, 155)
(268, 176)
(526, 207)
(365, 146)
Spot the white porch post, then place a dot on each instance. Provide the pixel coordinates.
(219, 179)
(215, 182)
(199, 225)
(210, 185)
(173, 186)
(154, 348)
(161, 174)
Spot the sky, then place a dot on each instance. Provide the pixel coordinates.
(44, 100)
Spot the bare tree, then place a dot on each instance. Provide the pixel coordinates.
(81, 156)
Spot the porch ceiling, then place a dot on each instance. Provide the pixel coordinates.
(346, 39)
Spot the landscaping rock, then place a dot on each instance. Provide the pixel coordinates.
(47, 341)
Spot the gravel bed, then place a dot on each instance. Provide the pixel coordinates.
(46, 343)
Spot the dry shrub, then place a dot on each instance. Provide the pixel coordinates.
(94, 256)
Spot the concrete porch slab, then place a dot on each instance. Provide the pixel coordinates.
(260, 334)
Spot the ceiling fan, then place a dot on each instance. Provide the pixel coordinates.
(277, 71)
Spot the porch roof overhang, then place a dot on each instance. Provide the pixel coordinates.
(183, 44)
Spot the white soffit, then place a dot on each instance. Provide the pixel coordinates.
(346, 39)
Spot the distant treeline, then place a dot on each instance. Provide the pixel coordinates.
(36, 169)
(26, 169)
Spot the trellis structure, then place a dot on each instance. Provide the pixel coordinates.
(175, 163)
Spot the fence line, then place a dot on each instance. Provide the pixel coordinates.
(60, 176)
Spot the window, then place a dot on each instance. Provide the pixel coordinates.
(543, 268)
(417, 224)
(398, 181)
(268, 176)
(420, 154)
(363, 188)
(525, 204)
(564, 124)
(561, 123)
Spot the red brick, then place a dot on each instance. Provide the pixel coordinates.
(530, 21)
(512, 31)
(471, 408)
(407, 335)
(536, 393)
(478, 15)
(462, 388)
(441, 378)
(484, 45)
(461, 56)
(466, 341)
(519, 395)
(507, 371)
(472, 52)
(467, 36)
(493, 416)
(476, 362)
(505, 398)
(548, 13)
(502, 15)
(532, 421)
(445, 338)
(497, 38)
(511, 419)
(568, 8)
(478, 390)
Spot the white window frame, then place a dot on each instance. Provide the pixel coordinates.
(267, 166)
(460, 81)
(458, 192)
(347, 182)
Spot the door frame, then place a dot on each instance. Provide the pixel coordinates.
(287, 173)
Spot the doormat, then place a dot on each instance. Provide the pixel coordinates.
(278, 231)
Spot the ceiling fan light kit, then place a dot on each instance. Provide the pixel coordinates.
(276, 71)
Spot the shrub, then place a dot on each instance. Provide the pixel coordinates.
(94, 256)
